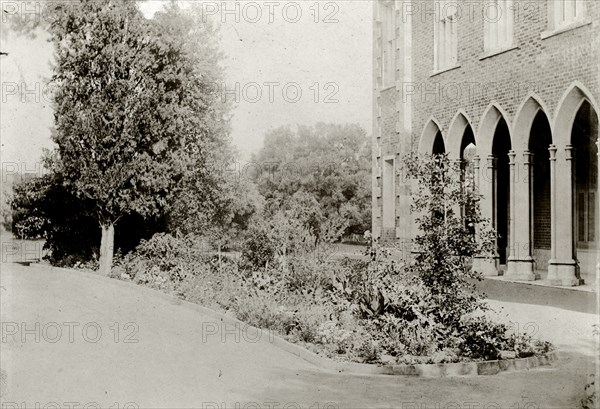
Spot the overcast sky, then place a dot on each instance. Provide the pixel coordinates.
(287, 63)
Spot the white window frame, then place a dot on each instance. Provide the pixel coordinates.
(445, 35)
(563, 13)
(498, 20)
(388, 43)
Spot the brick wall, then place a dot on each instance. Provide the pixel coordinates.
(547, 66)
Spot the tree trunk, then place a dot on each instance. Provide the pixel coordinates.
(106, 248)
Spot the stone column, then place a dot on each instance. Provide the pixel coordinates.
(520, 261)
(487, 187)
(562, 267)
(477, 261)
(458, 171)
(597, 283)
(598, 237)
(552, 150)
(476, 173)
(511, 203)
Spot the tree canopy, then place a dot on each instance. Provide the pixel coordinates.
(136, 112)
(328, 162)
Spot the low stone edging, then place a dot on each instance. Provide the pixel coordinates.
(422, 370)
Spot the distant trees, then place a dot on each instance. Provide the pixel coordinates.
(143, 146)
(328, 163)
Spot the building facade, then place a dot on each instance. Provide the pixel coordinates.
(513, 87)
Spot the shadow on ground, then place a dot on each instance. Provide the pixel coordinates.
(523, 293)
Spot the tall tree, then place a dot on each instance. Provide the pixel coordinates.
(135, 108)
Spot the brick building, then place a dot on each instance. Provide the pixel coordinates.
(512, 86)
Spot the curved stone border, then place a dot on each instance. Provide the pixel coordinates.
(423, 370)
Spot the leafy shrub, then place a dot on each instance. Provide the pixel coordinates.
(373, 310)
(257, 251)
(399, 337)
(482, 339)
(347, 337)
(298, 321)
(328, 164)
(427, 309)
(164, 262)
(447, 209)
(42, 207)
(331, 332)
(295, 228)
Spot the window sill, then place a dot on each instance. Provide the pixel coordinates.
(565, 28)
(433, 74)
(499, 51)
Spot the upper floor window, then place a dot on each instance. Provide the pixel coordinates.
(498, 20)
(445, 35)
(565, 12)
(388, 38)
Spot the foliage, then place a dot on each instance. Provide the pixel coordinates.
(137, 122)
(295, 231)
(590, 401)
(346, 337)
(43, 208)
(430, 307)
(330, 164)
(163, 253)
(135, 111)
(224, 219)
(451, 232)
(179, 265)
(376, 309)
(257, 251)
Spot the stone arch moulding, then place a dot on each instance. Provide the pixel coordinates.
(523, 121)
(567, 108)
(427, 139)
(456, 132)
(563, 266)
(487, 127)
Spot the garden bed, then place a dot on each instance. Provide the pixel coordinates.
(375, 309)
(347, 311)
(317, 355)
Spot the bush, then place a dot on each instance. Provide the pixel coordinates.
(478, 338)
(428, 309)
(373, 310)
(257, 251)
(447, 209)
(297, 318)
(163, 262)
(43, 208)
(285, 236)
(347, 337)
